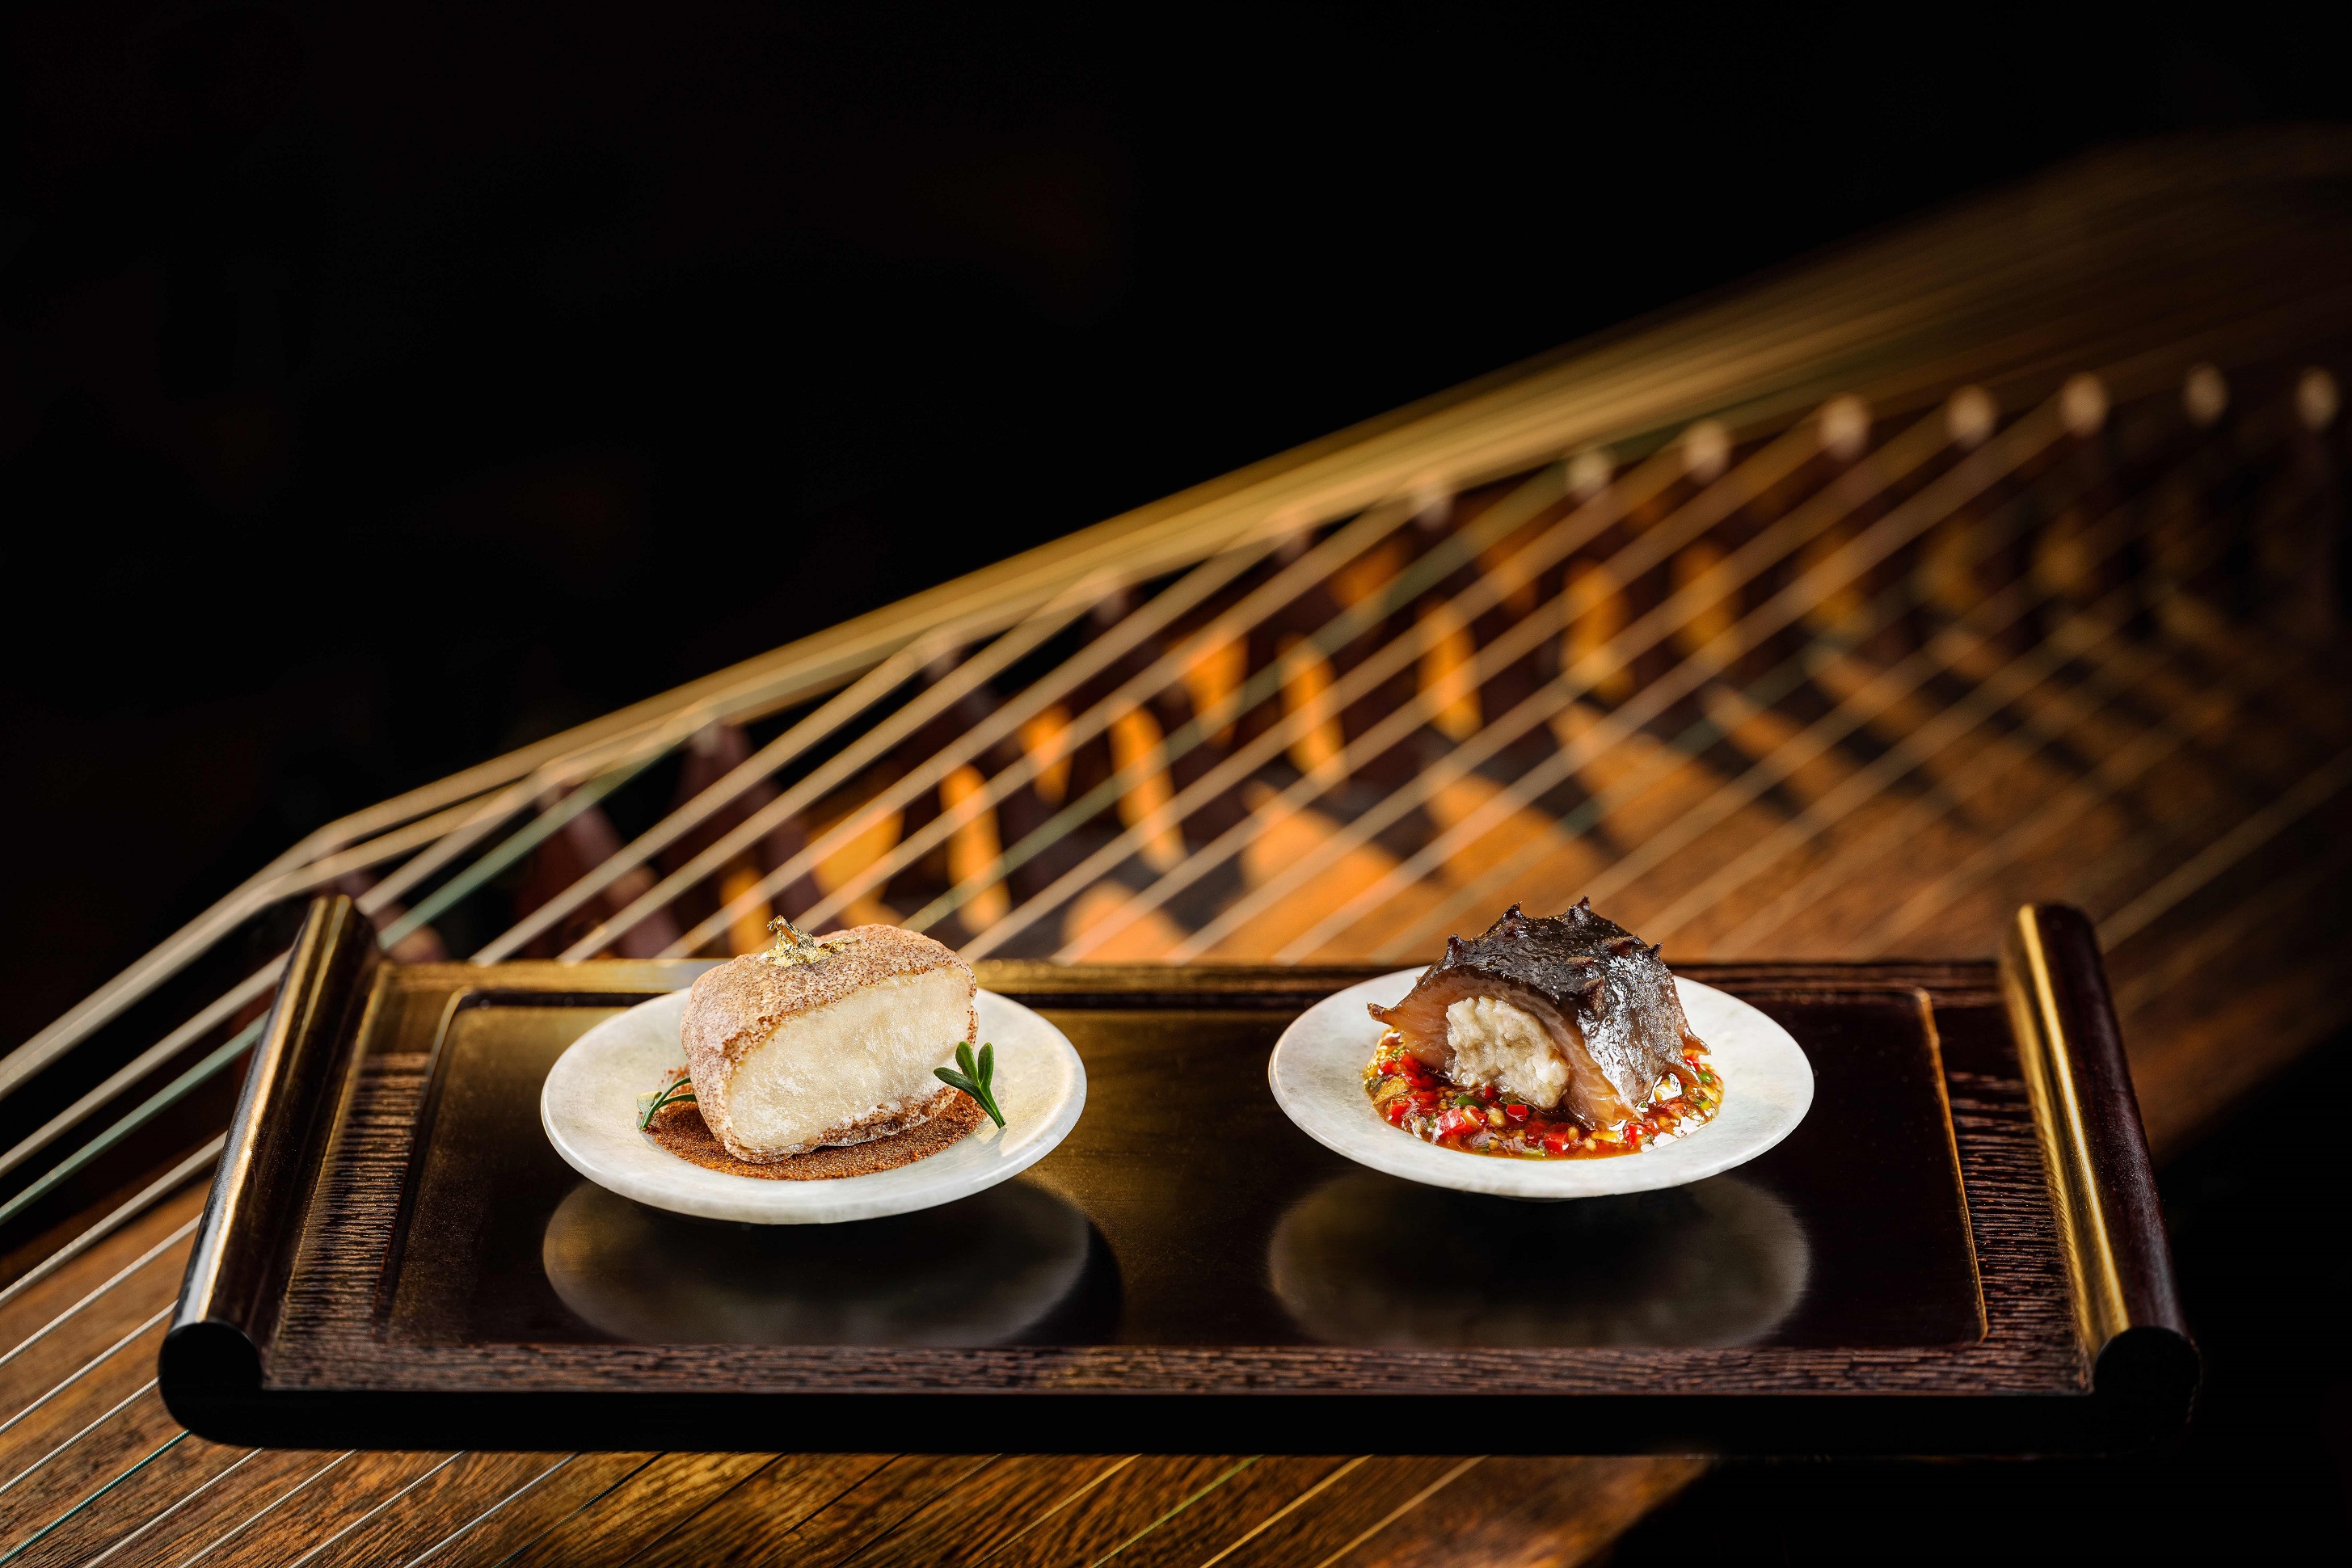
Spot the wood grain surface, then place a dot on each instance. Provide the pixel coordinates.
(2183, 780)
(96, 1472)
(331, 1336)
(93, 1469)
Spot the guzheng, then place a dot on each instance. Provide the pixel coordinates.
(1999, 560)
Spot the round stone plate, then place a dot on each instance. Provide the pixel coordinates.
(589, 1108)
(1317, 1072)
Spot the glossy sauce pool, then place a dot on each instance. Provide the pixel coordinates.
(1423, 1103)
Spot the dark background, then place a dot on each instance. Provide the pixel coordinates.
(382, 388)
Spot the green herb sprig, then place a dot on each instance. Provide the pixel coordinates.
(679, 1090)
(974, 1079)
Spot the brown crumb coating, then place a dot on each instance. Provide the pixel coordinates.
(680, 1129)
(738, 1005)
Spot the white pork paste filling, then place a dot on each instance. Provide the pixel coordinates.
(872, 1050)
(1495, 1042)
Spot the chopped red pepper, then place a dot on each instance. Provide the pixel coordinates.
(1458, 1121)
(1481, 1119)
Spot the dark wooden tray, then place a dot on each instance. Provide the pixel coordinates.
(1959, 1250)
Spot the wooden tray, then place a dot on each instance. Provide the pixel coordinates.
(1959, 1250)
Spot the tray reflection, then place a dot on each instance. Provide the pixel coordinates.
(1368, 1259)
(981, 1272)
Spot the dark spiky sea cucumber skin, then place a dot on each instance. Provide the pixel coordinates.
(1587, 968)
(1565, 959)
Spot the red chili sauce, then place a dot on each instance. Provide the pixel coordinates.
(1485, 1119)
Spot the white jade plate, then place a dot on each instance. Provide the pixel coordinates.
(589, 1108)
(1317, 1073)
